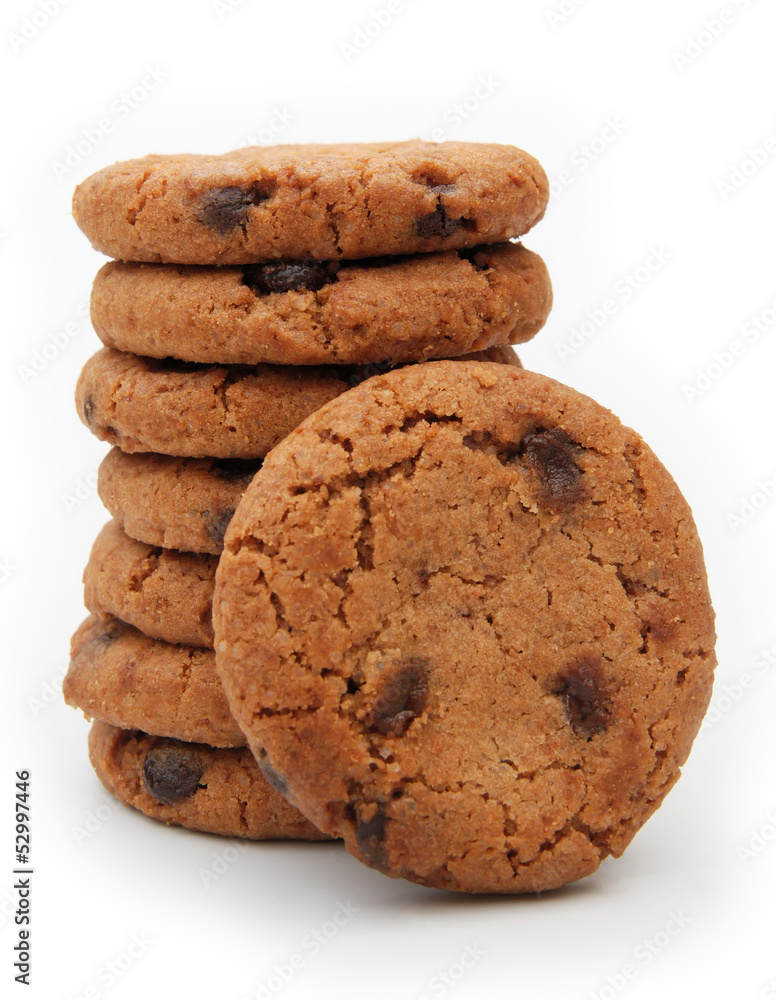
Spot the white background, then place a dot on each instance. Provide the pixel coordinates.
(689, 910)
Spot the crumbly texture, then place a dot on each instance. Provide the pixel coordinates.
(176, 408)
(462, 613)
(194, 411)
(215, 790)
(175, 503)
(328, 202)
(399, 309)
(120, 676)
(164, 593)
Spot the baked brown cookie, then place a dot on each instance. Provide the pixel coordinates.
(176, 503)
(120, 676)
(482, 601)
(322, 201)
(192, 411)
(308, 313)
(164, 593)
(215, 790)
(177, 408)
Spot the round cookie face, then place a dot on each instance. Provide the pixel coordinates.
(120, 676)
(396, 309)
(164, 593)
(215, 790)
(328, 202)
(195, 411)
(176, 503)
(462, 613)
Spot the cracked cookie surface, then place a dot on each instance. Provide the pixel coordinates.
(327, 202)
(121, 676)
(397, 309)
(215, 790)
(191, 410)
(462, 615)
(164, 593)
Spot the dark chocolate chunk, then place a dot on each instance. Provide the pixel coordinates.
(582, 686)
(436, 224)
(550, 454)
(172, 773)
(370, 837)
(227, 208)
(271, 776)
(89, 410)
(401, 698)
(216, 524)
(289, 276)
(111, 631)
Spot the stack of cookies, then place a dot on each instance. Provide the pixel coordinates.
(247, 292)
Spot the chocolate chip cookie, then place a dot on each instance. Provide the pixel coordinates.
(188, 410)
(192, 410)
(327, 202)
(176, 503)
(309, 313)
(164, 593)
(462, 615)
(215, 790)
(120, 676)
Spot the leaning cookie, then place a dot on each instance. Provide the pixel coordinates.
(164, 593)
(482, 599)
(328, 202)
(214, 790)
(120, 676)
(308, 313)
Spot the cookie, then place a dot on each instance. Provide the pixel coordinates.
(328, 202)
(176, 503)
(120, 676)
(215, 790)
(192, 411)
(177, 408)
(164, 593)
(395, 309)
(482, 601)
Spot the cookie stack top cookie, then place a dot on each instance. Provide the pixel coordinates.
(326, 202)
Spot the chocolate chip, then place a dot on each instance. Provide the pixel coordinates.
(370, 837)
(227, 208)
(172, 773)
(271, 776)
(216, 524)
(289, 276)
(551, 456)
(402, 697)
(89, 410)
(436, 224)
(582, 687)
(113, 630)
